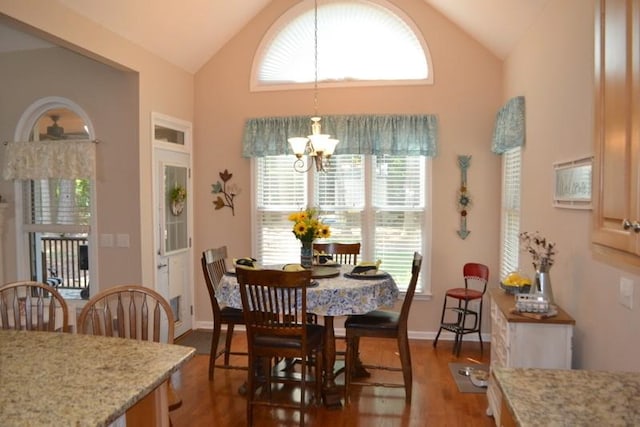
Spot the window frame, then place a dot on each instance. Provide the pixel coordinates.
(509, 258)
(255, 85)
(22, 133)
(423, 290)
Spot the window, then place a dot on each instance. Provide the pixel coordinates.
(56, 213)
(511, 167)
(380, 201)
(358, 41)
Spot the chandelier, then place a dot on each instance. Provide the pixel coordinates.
(318, 146)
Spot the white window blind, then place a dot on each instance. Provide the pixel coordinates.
(399, 205)
(340, 193)
(280, 190)
(377, 201)
(57, 204)
(511, 171)
(358, 40)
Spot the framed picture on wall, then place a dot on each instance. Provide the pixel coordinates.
(572, 183)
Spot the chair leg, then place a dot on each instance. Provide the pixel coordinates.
(214, 349)
(319, 376)
(349, 359)
(227, 343)
(479, 326)
(303, 388)
(405, 360)
(462, 320)
(251, 381)
(444, 308)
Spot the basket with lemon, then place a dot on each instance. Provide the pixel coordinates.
(515, 283)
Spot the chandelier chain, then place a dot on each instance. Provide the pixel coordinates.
(315, 50)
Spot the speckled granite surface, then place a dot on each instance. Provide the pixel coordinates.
(61, 379)
(543, 397)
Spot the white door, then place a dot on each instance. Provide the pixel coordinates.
(172, 223)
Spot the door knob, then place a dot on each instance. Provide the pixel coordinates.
(162, 266)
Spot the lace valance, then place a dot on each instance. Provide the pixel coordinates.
(64, 159)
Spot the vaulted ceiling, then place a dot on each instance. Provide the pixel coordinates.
(187, 34)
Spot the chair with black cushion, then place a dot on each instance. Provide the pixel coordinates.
(456, 308)
(214, 266)
(32, 306)
(131, 312)
(342, 253)
(275, 313)
(383, 324)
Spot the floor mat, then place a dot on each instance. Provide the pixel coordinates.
(462, 381)
(200, 340)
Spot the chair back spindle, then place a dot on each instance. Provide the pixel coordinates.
(128, 311)
(32, 306)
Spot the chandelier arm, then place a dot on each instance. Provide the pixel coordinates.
(299, 166)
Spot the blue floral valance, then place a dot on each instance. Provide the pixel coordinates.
(510, 126)
(409, 135)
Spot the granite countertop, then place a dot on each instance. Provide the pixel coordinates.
(49, 378)
(553, 397)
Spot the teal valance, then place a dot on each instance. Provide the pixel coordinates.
(409, 135)
(509, 131)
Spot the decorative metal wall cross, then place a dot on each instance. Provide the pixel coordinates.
(464, 199)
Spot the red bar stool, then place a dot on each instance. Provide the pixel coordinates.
(456, 301)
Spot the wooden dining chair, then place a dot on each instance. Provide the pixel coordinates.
(275, 309)
(457, 302)
(131, 312)
(32, 306)
(214, 266)
(383, 324)
(342, 253)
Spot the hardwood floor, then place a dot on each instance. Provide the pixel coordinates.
(436, 399)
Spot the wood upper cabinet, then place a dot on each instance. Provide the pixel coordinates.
(616, 214)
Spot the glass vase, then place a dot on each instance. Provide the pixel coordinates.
(306, 254)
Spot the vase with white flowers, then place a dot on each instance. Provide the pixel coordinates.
(542, 252)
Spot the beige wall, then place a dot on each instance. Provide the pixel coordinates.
(109, 97)
(553, 69)
(161, 87)
(465, 102)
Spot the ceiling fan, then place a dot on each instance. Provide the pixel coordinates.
(54, 131)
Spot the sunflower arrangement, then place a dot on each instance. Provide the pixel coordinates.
(307, 226)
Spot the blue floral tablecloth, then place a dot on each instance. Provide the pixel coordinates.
(335, 296)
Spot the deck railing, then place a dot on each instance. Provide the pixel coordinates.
(65, 262)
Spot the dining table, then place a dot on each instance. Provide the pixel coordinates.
(334, 291)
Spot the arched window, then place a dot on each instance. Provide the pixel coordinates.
(360, 42)
(57, 214)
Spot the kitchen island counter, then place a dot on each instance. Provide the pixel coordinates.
(51, 378)
(557, 397)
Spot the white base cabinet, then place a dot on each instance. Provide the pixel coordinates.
(521, 342)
